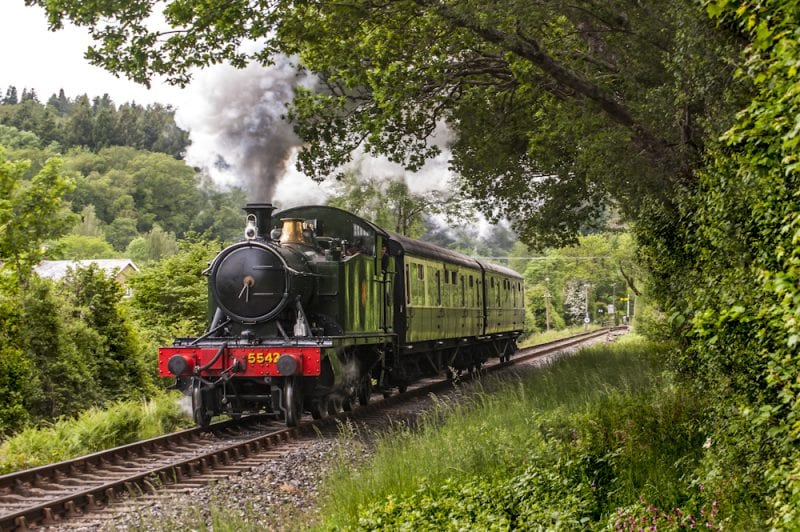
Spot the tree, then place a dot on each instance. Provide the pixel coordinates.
(390, 204)
(170, 297)
(103, 128)
(79, 247)
(156, 245)
(89, 225)
(121, 371)
(60, 104)
(11, 137)
(65, 362)
(121, 232)
(559, 108)
(17, 371)
(31, 212)
(11, 96)
(80, 123)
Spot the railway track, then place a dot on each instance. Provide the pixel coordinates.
(49, 495)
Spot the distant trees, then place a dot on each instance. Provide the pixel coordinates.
(593, 268)
(94, 124)
(389, 203)
(131, 191)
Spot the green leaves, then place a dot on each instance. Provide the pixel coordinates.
(31, 212)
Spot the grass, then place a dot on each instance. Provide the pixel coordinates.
(94, 430)
(602, 439)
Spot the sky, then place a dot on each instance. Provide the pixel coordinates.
(31, 56)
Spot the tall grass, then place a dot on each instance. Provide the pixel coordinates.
(93, 430)
(604, 438)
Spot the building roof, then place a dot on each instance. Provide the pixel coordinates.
(57, 269)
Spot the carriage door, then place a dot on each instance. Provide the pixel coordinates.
(384, 276)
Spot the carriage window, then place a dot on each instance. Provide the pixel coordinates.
(438, 289)
(420, 272)
(446, 276)
(463, 295)
(453, 277)
(470, 281)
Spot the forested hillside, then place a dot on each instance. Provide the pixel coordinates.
(93, 123)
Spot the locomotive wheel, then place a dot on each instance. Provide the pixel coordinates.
(347, 404)
(318, 409)
(200, 411)
(365, 390)
(334, 404)
(292, 401)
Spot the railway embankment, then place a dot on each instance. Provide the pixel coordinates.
(604, 439)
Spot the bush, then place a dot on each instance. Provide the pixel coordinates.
(93, 430)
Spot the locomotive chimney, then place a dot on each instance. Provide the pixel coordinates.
(263, 217)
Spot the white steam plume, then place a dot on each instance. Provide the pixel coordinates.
(241, 137)
(238, 128)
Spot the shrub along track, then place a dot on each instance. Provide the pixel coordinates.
(64, 493)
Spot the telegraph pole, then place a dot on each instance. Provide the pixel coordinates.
(586, 319)
(547, 297)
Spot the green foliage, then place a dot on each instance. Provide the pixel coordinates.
(11, 137)
(94, 430)
(389, 203)
(94, 123)
(31, 212)
(153, 247)
(586, 443)
(725, 264)
(536, 498)
(170, 297)
(121, 367)
(605, 262)
(65, 373)
(17, 372)
(132, 191)
(77, 247)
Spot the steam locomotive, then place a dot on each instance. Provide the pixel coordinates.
(316, 306)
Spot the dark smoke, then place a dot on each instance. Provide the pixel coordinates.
(239, 120)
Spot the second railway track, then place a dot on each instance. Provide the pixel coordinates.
(49, 495)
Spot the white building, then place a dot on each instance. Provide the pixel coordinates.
(56, 270)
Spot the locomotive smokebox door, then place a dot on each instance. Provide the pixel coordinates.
(250, 282)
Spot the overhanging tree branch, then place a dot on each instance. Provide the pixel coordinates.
(530, 49)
